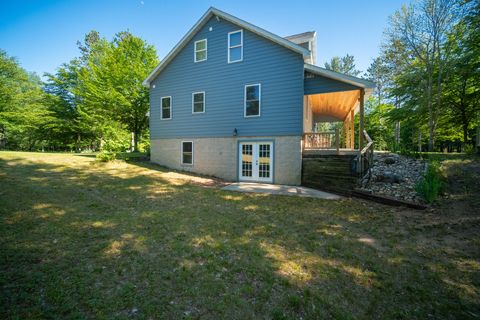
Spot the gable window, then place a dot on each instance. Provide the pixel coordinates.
(235, 46)
(198, 102)
(187, 152)
(252, 100)
(200, 50)
(166, 105)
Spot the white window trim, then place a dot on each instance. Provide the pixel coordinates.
(161, 108)
(237, 46)
(195, 51)
(259, 100)
(193, 102)
(181, 154)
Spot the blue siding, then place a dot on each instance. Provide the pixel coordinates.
(279, 70)
(319, 84)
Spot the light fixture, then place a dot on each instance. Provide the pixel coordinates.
(235, 132)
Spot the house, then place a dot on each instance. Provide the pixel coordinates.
(237, 102)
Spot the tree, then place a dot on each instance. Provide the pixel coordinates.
(110, 84)
(22, 112)
(68, 127)
(345, 65)
(422, 28)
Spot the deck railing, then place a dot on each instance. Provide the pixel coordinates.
(365, 158)
(321, 140)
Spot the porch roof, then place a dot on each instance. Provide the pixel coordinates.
(333, 95)
(355, 81)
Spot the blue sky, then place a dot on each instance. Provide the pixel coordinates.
(43, 34)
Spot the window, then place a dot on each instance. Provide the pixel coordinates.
(187, 152)
(252, 100)
(235, 46)
(198, 102)
(166, 104)
(200, 50)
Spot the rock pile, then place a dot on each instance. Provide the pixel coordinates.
(396, 176)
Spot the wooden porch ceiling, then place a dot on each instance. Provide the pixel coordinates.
(334, 104)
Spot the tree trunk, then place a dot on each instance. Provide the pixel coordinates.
(420, 141)
(477, 144)
(431, 123)
(77, 144)
(136, 136)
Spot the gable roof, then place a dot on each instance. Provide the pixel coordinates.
(358, 82)
(211, 12)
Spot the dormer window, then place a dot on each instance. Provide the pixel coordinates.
(235, 46)
(200, 50)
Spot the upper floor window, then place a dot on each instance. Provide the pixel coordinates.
(166, 108)
(252, 100)
(200, 50)
(235, 46)
(198, 102)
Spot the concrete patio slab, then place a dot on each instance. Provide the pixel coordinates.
(280, 190)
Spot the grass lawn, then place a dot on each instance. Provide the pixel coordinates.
(82, 239)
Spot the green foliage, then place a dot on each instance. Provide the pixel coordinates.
(344, 65)
(431, 184)
(24, 117)
(110, 83)
(94, 102)
(378, 126)
(106, 156)
(434, 88)
(115, 137)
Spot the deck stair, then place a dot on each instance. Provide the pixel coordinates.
(329, 172)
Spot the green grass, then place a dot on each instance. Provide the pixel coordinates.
(82, 239)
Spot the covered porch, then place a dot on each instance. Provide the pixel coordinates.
(331, 101)
(333, 146)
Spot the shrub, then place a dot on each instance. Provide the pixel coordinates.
(431, 184)
(106, 156)
(469, 149)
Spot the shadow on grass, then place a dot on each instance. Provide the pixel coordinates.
(93, 240)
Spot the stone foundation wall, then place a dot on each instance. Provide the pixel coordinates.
(219, 156)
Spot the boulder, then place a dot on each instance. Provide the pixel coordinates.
(390, 177)
(389, 160)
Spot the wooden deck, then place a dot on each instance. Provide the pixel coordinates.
(336, 170)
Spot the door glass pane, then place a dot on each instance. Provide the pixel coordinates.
(264, 160)
(247, 161)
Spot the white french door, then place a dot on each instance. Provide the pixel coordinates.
(256, 161)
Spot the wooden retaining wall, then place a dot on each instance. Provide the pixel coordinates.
(329, 172)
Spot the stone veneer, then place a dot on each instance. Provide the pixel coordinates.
(218, 156)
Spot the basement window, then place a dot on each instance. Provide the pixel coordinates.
(187, 152)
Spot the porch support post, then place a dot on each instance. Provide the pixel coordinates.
(362, 111)
(352, 129)
(360, 132)
(345, 133)
(337, 139)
